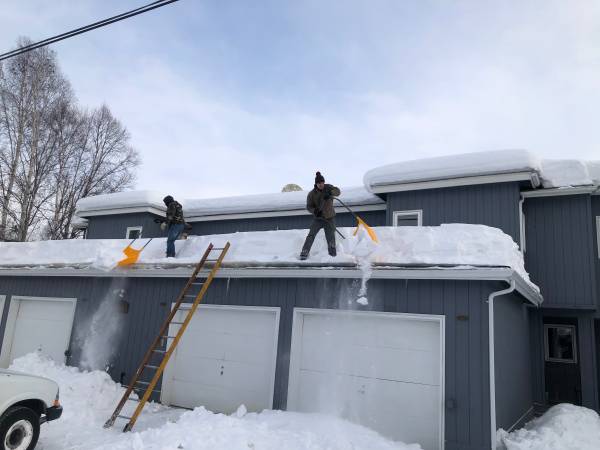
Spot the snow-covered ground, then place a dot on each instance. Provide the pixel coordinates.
(452, 244)
(563, 427)
(88, 399)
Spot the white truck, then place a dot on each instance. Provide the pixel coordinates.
(26, 401)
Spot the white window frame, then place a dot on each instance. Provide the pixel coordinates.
(418, 212)
(138, 228)
(547, 348)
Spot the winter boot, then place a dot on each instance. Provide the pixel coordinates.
(303, 256)
(332, 251)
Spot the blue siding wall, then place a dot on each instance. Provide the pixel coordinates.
(463, 303)
(514, 398)
(560, 250)
(115, 226)
(596, 256)
(496, 205)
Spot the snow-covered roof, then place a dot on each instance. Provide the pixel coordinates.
(281, 201)
(552, 173)
(452, 245)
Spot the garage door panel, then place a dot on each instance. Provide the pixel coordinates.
(383, 371)
(378, 331)
(45, 310)
(374, 362)
(225, 358)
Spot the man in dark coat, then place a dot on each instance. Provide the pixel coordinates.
(175, 223)
(319, 203)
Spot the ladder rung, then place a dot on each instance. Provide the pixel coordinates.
(197, 284)
(124, 417)
(159, 351)
(150, 366)
(217, 248)
(192, 296)
(142, 382)
(134, 399)
(168, 337)
(176, 323)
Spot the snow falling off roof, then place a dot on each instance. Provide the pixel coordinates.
(282, 201)
(455, 245)
(553, 173)
(452, 166)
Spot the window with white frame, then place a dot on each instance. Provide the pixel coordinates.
(412, 218)
(133, 233)
(560, 343)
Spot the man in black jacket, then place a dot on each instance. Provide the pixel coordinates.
(319, 202)
(175, 223)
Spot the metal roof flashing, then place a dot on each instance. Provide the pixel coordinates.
(325, 270)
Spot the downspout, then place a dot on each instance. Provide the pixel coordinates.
(491, 298)
(522, 225)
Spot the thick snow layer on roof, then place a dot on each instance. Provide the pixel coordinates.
(562, 427)
(553, 173)
(129, 199)
(564, 172)
(452, 244)
(281, 201)
(89, 398)
(452, 166)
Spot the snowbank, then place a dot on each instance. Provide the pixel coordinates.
(563, 427)
(451, 244)
(88, 399)
(552, 172)
(282, 201)
(453, 166)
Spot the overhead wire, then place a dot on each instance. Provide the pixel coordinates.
(51, 40)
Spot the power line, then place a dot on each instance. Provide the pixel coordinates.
(84, 29)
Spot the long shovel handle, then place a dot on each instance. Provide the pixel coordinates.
(347, 207)
(146, 244)
(334, 227)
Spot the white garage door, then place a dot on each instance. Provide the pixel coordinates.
(225, 358)
(384, 371)
(38, 324)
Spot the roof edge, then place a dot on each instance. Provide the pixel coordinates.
(382, 273)
(529, 175)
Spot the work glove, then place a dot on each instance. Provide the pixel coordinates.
(327, 195)
(163, 226)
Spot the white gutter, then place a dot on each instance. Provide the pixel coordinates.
(554, 192)
(491, 344)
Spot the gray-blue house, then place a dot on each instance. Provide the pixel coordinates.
(427, 328)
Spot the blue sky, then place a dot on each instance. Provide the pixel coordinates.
(233, 97)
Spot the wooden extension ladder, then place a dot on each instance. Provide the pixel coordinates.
(158, 345)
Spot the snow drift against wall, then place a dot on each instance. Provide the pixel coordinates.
(447, 245)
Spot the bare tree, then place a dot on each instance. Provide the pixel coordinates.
(52, 153)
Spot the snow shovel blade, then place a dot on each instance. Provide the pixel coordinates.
(368, 229)
(131, 254)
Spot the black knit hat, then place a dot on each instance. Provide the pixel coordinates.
(168, 199)
(319, 178)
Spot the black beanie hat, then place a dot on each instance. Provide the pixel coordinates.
(168, 199)
(319, 178)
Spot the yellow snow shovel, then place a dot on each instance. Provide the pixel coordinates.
(360, 223)
(132, 254)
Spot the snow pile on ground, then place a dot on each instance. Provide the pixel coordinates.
(552, 172)
(563, 427)
(445, 245)
(281, 201)
(88, 399)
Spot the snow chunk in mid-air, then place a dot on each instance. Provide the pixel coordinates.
(453, 166)
(563, 427)
(89, 398)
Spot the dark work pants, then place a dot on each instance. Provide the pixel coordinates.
(329, 227)
(175, 229)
